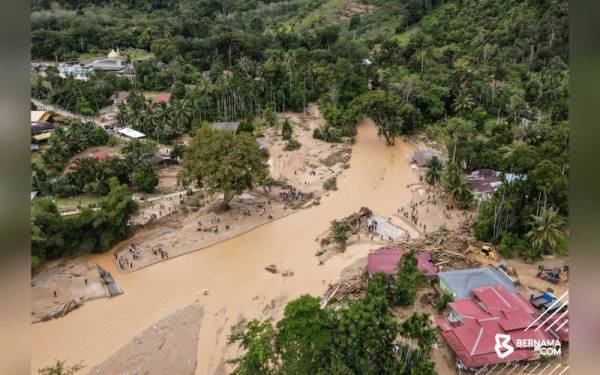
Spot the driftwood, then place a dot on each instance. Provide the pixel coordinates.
(272, 268)
(66, 308)
(357, 221)
(351, 286)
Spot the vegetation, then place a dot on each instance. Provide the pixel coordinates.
(434, 168)
(408, 279)
(547, 230)
(455, 186)
(70, 139)
(92, 231)
(90, 176)
(223, 162)
(340, 230)
(61, 368)
(83, 97)
(360, 338)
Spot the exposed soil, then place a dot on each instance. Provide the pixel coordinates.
(168, 347)
(68, 279)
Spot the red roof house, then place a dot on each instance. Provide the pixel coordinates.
(473, 323)
(386, 260)
(163, 97)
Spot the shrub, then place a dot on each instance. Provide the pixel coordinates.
(286, 131)
(442, 302)
(292, 145)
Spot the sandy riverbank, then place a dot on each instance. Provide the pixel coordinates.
(167, 347)
(232, 272)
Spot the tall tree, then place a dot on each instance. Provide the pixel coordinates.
(546, 230)
(383, 108)
(223, 162)
(434, 169)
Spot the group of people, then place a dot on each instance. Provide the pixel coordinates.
(159, 251)
(291, 194)
(373, 226)
(123, 261)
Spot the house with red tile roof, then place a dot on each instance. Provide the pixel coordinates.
(386, 260)
(163, 97)
(471, 327)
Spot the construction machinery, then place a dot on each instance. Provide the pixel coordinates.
(544, 301)
(553, 275)
(483, 251)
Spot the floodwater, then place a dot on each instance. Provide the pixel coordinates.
(232, 272)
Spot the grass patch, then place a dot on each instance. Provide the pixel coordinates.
(404, 37)
(84, 201)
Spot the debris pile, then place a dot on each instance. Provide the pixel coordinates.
(352, 286)
(357, 222)
(63, 310)
(449, 249)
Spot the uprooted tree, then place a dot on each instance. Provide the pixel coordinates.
(223, 162)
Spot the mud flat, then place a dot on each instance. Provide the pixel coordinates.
(68, 279)
(167, 347)
(178, 232)
(229, 278)
(315, 162)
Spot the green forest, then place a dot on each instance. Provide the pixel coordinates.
(488, 79)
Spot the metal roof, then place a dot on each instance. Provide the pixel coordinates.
(229, 126)
(386, 260)
(131, 133)
(471, 328)
(462, 282)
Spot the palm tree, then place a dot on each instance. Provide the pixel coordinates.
(463, 103)
(453, 181)
(547, 230)
(434, 168)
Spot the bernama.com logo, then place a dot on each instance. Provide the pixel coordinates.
(504, 348)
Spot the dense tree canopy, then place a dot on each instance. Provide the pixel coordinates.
(223, 162)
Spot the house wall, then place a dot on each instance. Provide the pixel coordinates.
(445, 289)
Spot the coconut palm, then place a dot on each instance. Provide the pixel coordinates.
(463, 103)
(434, 169)
(546, 230)
(453, 182)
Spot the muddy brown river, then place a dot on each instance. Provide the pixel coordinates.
(232, 272)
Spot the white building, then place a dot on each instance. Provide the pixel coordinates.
(131, 133)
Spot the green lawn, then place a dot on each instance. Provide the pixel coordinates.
(404, 37)
(84, 200)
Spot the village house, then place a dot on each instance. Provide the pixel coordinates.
(471, 327)
(386, 260)
(131, 133)
(421, 158)
(162, 160)
(231, 126)
(484, 182)
(460, 283)
(120, 97)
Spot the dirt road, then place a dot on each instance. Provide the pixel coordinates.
(229, 279)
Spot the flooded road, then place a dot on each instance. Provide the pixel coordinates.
(229, 279)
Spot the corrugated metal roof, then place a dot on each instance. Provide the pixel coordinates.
(462, 282)
(229, 126)
(494, 310)
(131, 133)
(386, 260)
